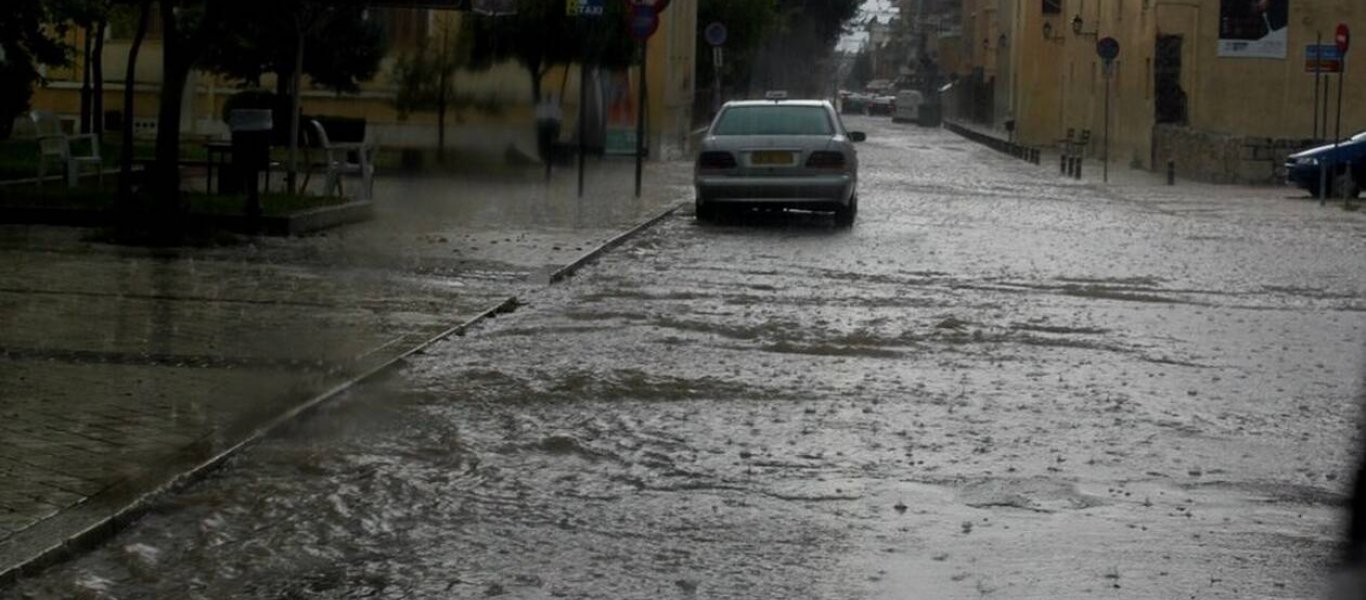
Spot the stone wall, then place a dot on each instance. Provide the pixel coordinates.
(1223, 158)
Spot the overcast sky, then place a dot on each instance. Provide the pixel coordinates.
(882, 9)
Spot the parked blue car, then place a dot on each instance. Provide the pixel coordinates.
(1346, 167)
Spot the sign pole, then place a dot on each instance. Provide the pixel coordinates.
(1342, 76)
(716, 63)
(583, 111)
(1108, 50)
(1105, 170)
(1343, 39)
(1318, 73)
(644, 23)
(640, 115)
(715, 34)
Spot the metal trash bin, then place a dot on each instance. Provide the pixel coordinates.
(251, 132)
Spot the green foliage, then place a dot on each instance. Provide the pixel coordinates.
(829, 17)
(425, 79)
(541, 35)
(861, 72)
(25, 42)
(747, 23)
(341, 47)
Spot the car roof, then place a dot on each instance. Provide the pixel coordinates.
(777, 103)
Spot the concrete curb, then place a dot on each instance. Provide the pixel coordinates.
(568, 270)
(119, 508)
(324, 217)
(61, 178)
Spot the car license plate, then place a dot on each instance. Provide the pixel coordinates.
(772, 158)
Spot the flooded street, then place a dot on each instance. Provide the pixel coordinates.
(998, 383)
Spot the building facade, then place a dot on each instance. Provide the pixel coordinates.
(1218, 87)
(669, 71)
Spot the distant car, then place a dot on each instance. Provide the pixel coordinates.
(778, 154)
(882, 105)
(908, 104)
(855, 104)
(1346, 167)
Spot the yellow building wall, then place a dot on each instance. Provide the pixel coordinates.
(1059, 81)
(670, 71)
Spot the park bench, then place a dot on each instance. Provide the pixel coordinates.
(70, 151)
(344, 158)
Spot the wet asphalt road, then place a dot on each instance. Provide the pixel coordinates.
(997, 384)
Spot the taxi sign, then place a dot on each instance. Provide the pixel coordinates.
(775, 95)
(584, 8)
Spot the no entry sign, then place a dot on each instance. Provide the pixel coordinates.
(644, 22)
(1343, 38)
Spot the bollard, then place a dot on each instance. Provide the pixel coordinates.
(1077, 174)
(1034, 156)
(1171, 172)
(1323, 182)
(1062, 164)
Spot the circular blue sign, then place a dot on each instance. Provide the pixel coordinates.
(715, 34)
(1108, 48)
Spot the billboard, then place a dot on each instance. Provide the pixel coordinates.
(1253, 28)
(621, 111)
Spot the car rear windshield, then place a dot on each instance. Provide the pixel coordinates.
(774, 120)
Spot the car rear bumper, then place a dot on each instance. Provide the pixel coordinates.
(830, 190)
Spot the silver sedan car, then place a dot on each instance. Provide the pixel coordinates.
(778, 154)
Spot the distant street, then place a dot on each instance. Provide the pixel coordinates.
(998, 383)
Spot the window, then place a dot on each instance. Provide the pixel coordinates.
(774, 120)
(1052, 7)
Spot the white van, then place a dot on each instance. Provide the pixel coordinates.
(908, 106)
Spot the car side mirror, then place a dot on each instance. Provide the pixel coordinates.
(857, 136)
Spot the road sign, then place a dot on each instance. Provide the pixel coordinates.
(1343, 38)
(658, 5)
(644, 22)
(584, 8)
(1108, 48)
(715, 34)
(1322, 58)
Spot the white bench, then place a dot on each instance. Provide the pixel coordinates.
(54, 145)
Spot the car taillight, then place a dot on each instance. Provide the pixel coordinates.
(825, 159)
(716, 160)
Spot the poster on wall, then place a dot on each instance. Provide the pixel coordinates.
(621, 112)
(1253, 28)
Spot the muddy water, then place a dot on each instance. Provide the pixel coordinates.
(997, 384)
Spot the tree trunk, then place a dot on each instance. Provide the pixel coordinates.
(85, 82)
(97, 73)
(441, 100)
(125, 198)
(282, 79)
(165, 178)
(297, 77)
